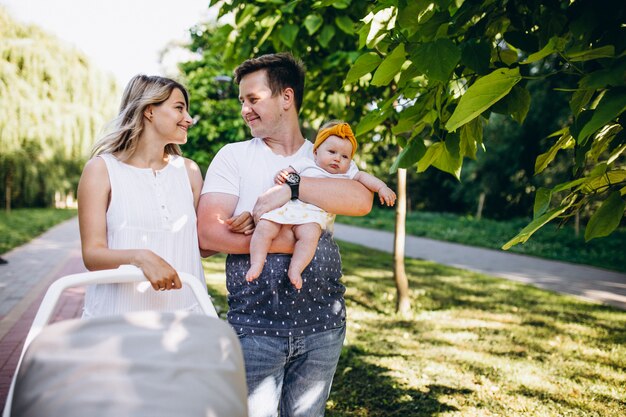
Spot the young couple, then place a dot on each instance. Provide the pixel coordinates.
(138, 202)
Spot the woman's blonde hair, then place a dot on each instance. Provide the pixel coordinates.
(125, 129)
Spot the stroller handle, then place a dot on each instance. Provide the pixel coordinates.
(125, 274)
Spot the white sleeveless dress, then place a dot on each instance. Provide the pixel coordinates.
(153, 211)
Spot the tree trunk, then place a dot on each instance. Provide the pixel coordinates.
(481, 205)
(403, 304)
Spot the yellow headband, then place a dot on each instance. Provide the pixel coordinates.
(341, 130)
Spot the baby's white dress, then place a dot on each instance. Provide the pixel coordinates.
(298, 212)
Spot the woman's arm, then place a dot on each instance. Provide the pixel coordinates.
(94, 190)
(195, 179)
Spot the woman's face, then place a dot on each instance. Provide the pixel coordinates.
(171, 118)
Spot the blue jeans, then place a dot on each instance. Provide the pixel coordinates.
(293, 374)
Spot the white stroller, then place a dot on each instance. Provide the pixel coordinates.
(140, 364)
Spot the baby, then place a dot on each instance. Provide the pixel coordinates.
(333, 150)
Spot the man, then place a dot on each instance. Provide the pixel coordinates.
(291, 338)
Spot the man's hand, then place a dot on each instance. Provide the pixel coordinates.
(271, 199)
(242, 223)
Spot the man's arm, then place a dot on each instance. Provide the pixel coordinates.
(215, 234)
(338, 196)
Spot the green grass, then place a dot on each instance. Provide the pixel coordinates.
(22, 225)
(474, 346)
(549, 242)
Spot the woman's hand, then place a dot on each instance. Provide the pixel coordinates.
(160, 274)
(242, 223)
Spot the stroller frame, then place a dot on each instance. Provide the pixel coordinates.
(122, 275)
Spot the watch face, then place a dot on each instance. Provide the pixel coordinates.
(293, 178)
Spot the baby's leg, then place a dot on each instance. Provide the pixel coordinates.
(307, 236)
(264, 233)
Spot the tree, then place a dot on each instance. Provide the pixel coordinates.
(53, 104)
(455, 62)
(426, 75)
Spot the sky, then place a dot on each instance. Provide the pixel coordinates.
(123, 37)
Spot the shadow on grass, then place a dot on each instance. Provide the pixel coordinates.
(364, 389)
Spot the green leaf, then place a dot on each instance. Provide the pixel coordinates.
(612, 76)
(289, 7)
(364, 64)
(600, 183)
(542, 201)
(436, 59)
(432, 153)
(471, 137)
(483, 94)
(606, 218)
(370, 121)
(607, 51)
(288, 34)
(543, 160)
(579, 99)
(522, 40)
(345, 24)
(408, 17)
(612, 105)
(476, 56)
(407, 75)
(364, 33)
(450, 160)
(409, 156)
(516, 103)
(328, 32)
(340, 4)
(313, 22)
(391, 65)
(535, 225)
(555, 44)
(507, 56)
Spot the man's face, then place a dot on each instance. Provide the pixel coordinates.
(260, 110)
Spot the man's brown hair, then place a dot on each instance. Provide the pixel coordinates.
(283, 71)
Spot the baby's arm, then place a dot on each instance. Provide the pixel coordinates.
(281, 176)
(385, 194)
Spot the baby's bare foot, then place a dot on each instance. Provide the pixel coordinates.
(254, 272)
(296, 278)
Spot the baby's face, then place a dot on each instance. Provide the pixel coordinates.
(334, 155)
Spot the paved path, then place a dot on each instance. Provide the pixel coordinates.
(34, 266)
(593, 284)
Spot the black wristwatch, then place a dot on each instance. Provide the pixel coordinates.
(293, 181)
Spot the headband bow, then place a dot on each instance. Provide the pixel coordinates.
(341, 130)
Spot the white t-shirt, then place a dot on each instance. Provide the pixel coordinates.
(247, 170)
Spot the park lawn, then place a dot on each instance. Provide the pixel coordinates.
(21, 225)
(551, 241)
(474, 346)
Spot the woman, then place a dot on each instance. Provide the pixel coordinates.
(137, 202)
